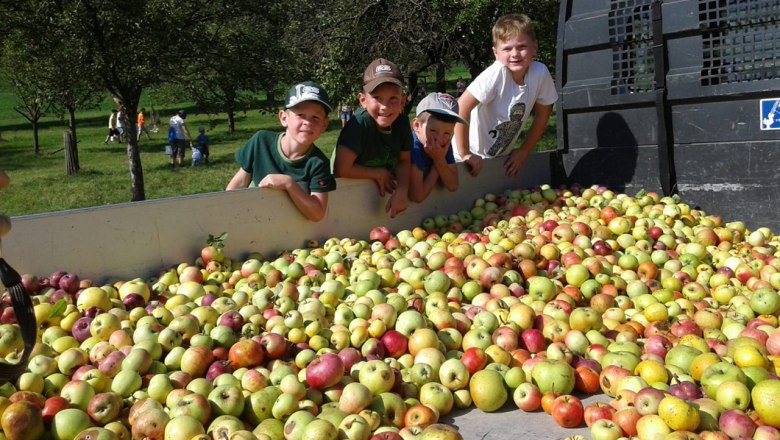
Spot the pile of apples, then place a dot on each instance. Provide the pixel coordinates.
(534, 298)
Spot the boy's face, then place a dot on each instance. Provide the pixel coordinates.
(305, 122)
(434, 132)
(516, 53)
(384, 104)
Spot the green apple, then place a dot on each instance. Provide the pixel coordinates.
(766, 399)
(68, 423)
(488, 390)
(718, 373)
(553, 375)
(183, 427)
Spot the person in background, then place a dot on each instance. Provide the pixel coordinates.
(141, 124)
(499, 101)
(202, 146)
(180, 134)
(432, 157)
(289, 161)
(121, 122)
(376, 143)
(345, 113)
(113, 133)
(460, 87)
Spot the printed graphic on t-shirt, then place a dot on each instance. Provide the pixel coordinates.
(506, 132)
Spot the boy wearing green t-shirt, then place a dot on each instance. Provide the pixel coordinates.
(290, 161)
(376, 142)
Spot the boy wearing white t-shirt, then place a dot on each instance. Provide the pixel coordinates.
(497, 103)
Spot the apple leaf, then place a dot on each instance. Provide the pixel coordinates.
(58, 309)
(642, 192)
(218, 241)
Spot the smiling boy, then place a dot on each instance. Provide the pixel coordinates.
(376, 142)
(499, 101)
(290, 161)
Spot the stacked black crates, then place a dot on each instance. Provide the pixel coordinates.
(674, 96)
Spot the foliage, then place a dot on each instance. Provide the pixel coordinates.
(233, 60)
(24, 77)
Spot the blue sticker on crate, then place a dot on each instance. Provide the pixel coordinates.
(770, 114)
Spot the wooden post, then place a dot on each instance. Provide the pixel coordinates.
(71, 155)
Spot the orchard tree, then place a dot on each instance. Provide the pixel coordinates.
(24, 78)
(234, 59)
(131, 45)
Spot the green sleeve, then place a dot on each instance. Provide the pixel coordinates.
(322, 179)
(353, 136)
(245, 156)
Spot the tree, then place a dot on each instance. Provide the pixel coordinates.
(24, 78)
(233, 61)
(131, 45)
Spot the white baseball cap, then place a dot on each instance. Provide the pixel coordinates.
(442, 104)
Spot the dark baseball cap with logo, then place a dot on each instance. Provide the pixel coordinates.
(307, 91)
(441, 104)
(381, 71)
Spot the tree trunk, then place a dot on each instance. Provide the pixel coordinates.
(36, 143)
(71, 155)
(413, 91)
(441, 79)
(133, 153)
(72, 127)
(231, 121)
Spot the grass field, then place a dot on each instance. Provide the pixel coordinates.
(40, 183)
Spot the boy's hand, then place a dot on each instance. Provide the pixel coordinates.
(276, 181)
(473, 163)
(515, 161)
(436, 152)
(385, 181)
(398, 203)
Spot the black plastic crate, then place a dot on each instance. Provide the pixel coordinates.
(674, 96)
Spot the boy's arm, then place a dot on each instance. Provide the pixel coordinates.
(399, 201)
(517, 158)
(421, 185)
(345, 166)
(466, 103)
(241, 179)
(312, 206)
(446, 171)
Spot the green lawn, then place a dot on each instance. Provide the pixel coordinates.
(40, 184)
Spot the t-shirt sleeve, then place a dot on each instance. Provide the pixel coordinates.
(406, 138)
(547, 93)
(483, 88)
(245, 156)
(450, 155)
(418, 158)
(322, 179)
(352, 136)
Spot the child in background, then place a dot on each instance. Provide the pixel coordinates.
(376, 143)
(290, 161)
(432, 157)
(202, 144)
(500, 99)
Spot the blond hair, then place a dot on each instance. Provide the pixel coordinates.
(512, 25)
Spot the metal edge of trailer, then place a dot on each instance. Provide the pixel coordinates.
(139, 239)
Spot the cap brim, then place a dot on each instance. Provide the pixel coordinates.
(372, 85)
(325, 104)
(448, 113)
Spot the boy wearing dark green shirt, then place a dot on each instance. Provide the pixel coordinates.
(376, 143)
(290, 161)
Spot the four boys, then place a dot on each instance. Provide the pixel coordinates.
(379, 144)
